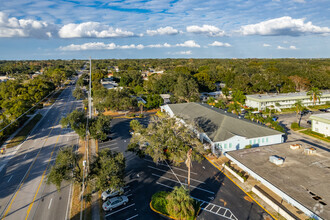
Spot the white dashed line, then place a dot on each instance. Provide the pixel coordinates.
(9, 178)
(176, 174)
(184, 184)
(120, 210)
(133, 217)
(50, 203)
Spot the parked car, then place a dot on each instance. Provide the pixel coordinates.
(328, 109)
(309, 122)
(114, 203)
(111, 193)
(323, 109)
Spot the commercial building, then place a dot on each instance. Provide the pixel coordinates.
(222, 131)
(284, 100)
(302, 180)
(321, 123)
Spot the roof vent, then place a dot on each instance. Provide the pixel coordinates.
(276, 160)
(295, 146)
(310, 151)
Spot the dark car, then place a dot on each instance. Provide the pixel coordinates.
(309, 122)
(306, 111)
(323, 109)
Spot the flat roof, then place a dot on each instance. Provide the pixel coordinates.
(283, 96)
(321, 117)
(299, 177)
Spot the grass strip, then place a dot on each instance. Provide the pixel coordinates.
(316, 135)
(24, 132)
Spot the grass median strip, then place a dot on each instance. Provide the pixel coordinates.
(24, 132)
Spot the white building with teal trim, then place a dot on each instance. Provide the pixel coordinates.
(221, 131)
(321, 123)
(284, 100)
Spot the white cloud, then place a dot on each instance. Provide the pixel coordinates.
(299, 1)
(13, 27)
(188, 43)
(287, 48)
(206, 29)
(188, 52)
(266, 45)
(159, 45)
(219, 44)
(92, 29)
(163, 31)
(283, 26)
(112, 46)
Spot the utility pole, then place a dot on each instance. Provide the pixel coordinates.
(90, 89)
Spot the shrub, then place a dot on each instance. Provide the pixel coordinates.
(158, 201)
(248, 146)
(141, 115)
(294, 125)
(132, 115)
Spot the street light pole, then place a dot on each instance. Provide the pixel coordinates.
(90, 89)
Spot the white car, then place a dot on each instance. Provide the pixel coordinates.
(114, 203)
(111, 193)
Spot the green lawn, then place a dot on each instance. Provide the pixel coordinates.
(316, 135)
(24, 132)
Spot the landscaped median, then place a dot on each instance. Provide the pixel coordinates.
(175, 205)
(24, 132)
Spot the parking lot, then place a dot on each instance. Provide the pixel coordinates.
(218, 196)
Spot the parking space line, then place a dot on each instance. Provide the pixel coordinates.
(133, 217)
(164, 185)
(175, 174)
(184, 184)
(119, 210)
(171, 166)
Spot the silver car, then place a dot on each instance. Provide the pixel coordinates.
(114, 203)
(111, 193)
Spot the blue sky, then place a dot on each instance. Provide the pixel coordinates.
(72, 29)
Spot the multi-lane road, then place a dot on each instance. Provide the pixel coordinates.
(24, 193)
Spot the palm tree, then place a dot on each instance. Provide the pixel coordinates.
(314, 94)
(179, 204)
(299, 108)
(141, 104)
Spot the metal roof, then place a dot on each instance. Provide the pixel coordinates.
(321, 117)
(217, 124)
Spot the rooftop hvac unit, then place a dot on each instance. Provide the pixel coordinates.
(276, 160)
(310, 151)
(295, 146)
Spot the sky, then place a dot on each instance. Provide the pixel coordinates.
(120, 29)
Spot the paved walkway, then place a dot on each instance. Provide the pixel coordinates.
(95, 195)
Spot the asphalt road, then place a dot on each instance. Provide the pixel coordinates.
(23, 192)
(220, 198)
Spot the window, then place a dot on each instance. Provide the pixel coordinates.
(230, 145)
(250, 141)
(226, 146)
(263, 140)
(254, 141)
(266, 140)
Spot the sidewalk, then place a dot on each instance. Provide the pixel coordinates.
(247, 189)
(95, 195)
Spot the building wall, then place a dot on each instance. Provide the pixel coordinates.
(238, 142)
(276, 190)
(321, 127)
(261, 105)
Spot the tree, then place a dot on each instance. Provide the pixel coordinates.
(100, 127)
(108, 170)
(66, 167)
(186, 89)
(315, 94)
(77, 121)
(235, 107)
(238, 96)
(179, 204)
(225, 92)
(299, 108)
(141, 104)
(210, 100)
(78, 93)
(165, 139)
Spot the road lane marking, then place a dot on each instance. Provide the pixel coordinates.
(184, 184)
(9, 178)
(201, 182)
(120, 210)
(133, 217)
(171, 167)
(69, 204)
(50, 203)
(23, 180)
